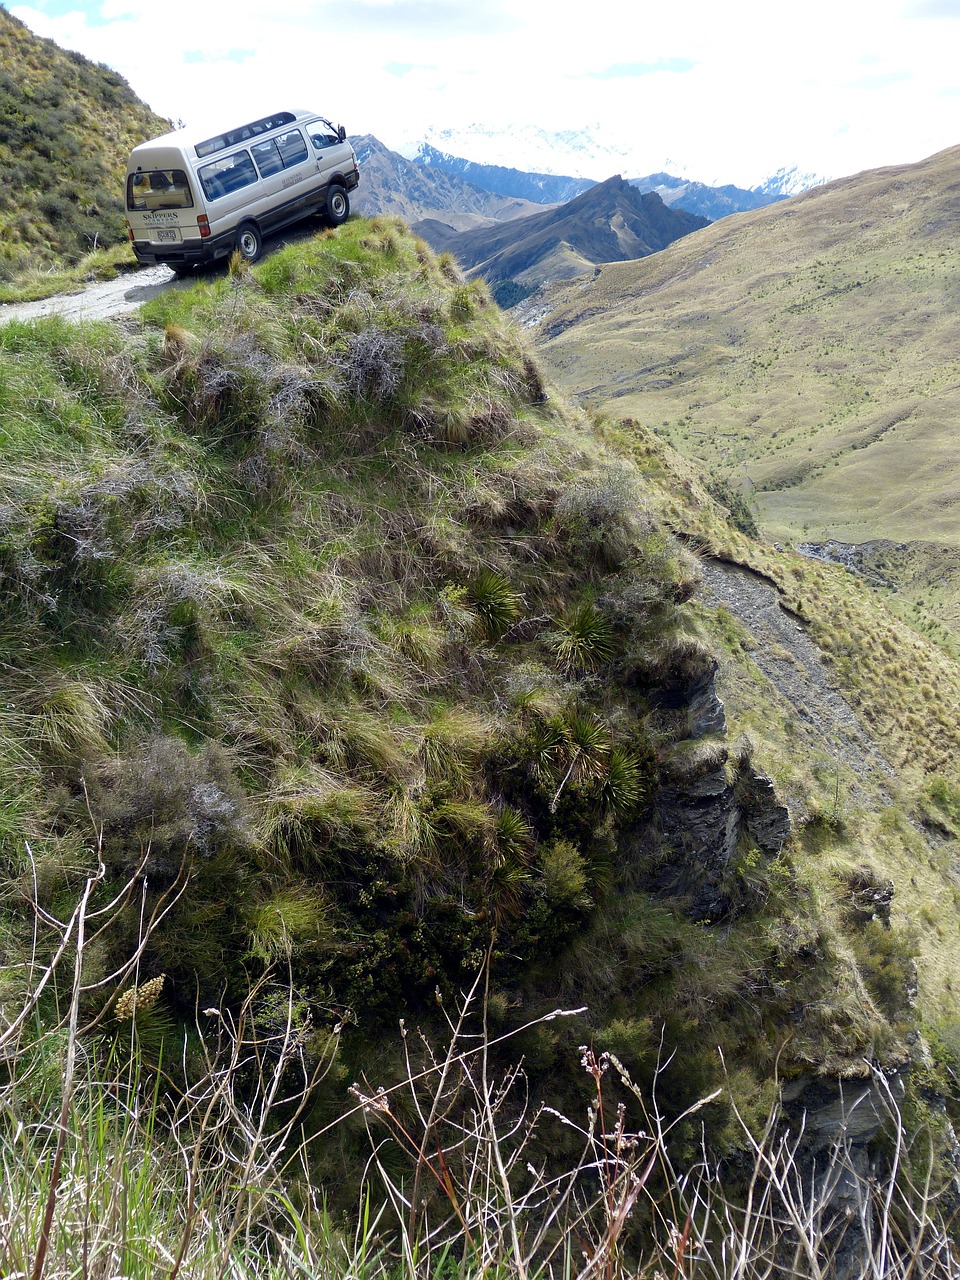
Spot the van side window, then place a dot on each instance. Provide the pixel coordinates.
(292, 147)
(325, 135)
(229, 174)
(268, 158)
(279, 153)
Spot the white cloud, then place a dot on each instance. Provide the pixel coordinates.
(733, 92)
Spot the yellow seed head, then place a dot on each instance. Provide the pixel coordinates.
(139, 999)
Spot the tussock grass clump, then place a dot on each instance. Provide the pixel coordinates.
(583, 640)
(346, 651)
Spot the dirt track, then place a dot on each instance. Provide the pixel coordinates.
(126, 293)
(789, 658)
(97, 301)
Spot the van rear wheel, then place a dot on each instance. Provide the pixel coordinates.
(249, 242)
(338, 206)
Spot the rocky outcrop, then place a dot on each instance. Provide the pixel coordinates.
(708, 807)
(767, 820)
(869, 897)
(704, 707)
(832, 1126)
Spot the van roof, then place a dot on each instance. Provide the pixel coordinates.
(191, 135)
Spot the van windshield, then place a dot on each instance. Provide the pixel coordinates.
(158, 189)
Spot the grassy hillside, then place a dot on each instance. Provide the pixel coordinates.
(67, 126)
(367, 670)
(807, 351)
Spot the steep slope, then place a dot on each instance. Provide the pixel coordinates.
(321, 607)
(808, 350)
(610, 222)
(395, 186)
(377, 673)
(67, 126)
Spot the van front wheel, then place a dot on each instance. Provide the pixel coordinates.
(249, 242)
(338, 207)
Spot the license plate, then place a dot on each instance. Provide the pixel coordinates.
(166, 234)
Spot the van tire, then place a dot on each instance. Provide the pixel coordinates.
(249, 241)
(338, 205)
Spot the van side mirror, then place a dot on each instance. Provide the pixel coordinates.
(342, 134)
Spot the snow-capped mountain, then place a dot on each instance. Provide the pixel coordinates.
(574, 153)
(587, 153)
(789, 182)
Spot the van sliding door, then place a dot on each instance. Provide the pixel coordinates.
(284, 173)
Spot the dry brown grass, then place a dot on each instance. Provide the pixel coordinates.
(808, 350)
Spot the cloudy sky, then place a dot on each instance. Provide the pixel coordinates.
(724, 90)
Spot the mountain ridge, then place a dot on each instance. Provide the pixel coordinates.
(586, 153)
(608, 222)
(695, 197)
(394, 186)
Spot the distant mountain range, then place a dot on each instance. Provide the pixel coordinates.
(610, 222)
(391, 184)
(543, 188)
(708, 202)
(588, 153)
(461, 205)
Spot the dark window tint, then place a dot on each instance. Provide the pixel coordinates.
(243, 133)
(227, 175)
(292, 147)
(279, 153)
(158, 189)
(268, 158)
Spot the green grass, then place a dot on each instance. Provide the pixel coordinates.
(346, 650)
(68, 126)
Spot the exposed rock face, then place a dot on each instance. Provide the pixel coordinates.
(706, 711)
(869, 897)
(834, 1112)
(705, 811)
(767, 820)
(699, 823)
(837, 1121)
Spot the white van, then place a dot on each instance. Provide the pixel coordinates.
(193, 198)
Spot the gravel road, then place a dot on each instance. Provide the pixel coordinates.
(126, 293)
(789, 658)
(98, 301)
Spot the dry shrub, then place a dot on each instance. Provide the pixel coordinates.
(373, 364)
(164, 804)
(600, 517)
